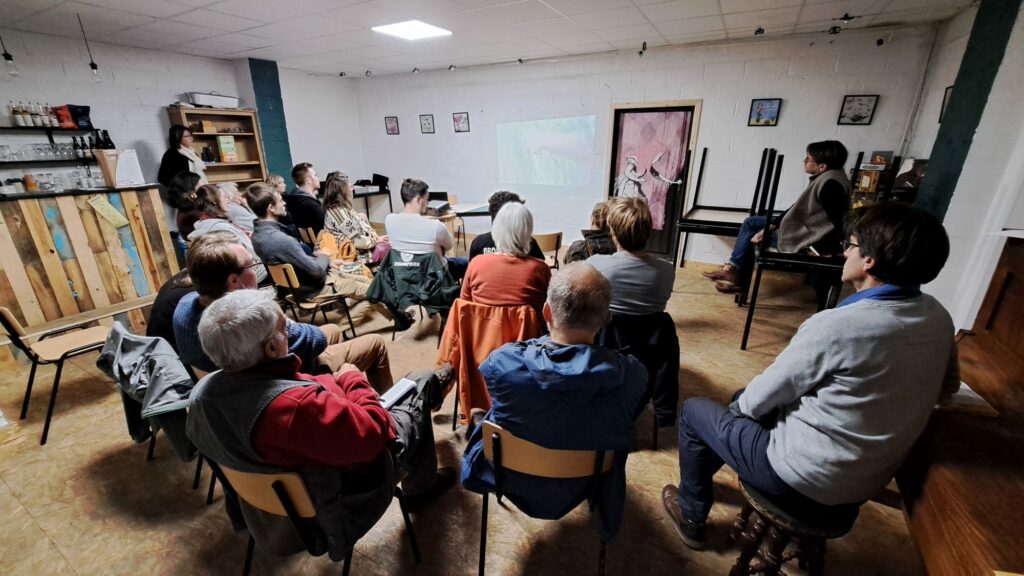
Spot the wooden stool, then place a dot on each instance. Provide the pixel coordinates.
(765, 536)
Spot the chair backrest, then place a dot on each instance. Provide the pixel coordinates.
(453, 199)
(549, 242)
(284, 276)
(308, 236)
(272, 493)
(13, 328)
(529, 458)
(199, 373)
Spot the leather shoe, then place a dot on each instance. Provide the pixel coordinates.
(726, 273)
(692, 534)
(728, 287)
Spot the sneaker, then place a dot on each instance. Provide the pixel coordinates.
(726, 273)
(403, 321)
(728, 287)
(692, 533)
(444, 480)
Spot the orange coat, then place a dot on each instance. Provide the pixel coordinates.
(472, 333)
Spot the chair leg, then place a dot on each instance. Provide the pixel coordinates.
(751, 542)
(483, 536)
(408, 525)
(199, 472)
(741, 523)
(213, 484)
(53, 402)
(348, 562)
(455, 410)
(750, 307)
(654, 416)
(348, 314)
(248, 556)
(601, 558)
(152, 445)
(774, 548)
(28, 389)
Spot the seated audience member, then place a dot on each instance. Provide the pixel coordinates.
(411, 232)
(814, 221)
(213, 208)
(597, 240)
(218, 264)
(317, 273)
(831, 420)
(161, 315)
(484, 243)
(562, 392)
(508, 276)
(304, 207)
(262, 414)
(238, 209)
(641, 283)
(277, 182)
(341, 220)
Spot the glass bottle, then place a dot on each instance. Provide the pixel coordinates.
(107, 142)
(91, 151)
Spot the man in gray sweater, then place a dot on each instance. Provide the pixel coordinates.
(833, 417)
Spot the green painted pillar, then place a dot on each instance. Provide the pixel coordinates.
(982, 58)
(266, 87)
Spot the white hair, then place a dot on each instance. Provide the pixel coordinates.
(512, 229)
(230, 191)
(234, 328)
(580, 298)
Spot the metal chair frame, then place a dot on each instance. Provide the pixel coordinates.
(293, 302)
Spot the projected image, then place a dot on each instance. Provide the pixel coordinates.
(555, 152)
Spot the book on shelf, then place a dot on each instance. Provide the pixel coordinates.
(228, 152)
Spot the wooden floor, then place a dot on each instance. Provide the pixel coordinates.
(89, 503)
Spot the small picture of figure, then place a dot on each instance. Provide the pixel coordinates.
(858, 110)
(391, 125)
(461, 121)
(764, 112)
(426, 123)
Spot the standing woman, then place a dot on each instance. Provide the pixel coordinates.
(341, 220)
(180, 157)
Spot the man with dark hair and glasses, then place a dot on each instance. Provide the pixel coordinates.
(813, 222)
(218, 264)
(830, 421)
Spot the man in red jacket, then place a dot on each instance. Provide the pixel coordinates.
(259, 411)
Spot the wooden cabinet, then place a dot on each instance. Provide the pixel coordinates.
(207, 124)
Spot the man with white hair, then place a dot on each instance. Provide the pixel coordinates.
(562, 392)
(259, 413)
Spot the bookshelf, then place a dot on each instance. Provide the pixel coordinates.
(207, 124)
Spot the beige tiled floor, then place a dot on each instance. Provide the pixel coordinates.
(89, 503)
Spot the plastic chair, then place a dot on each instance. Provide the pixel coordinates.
(550, 243)
(286, 495)
(53, 347)
(505, 451)
(284, 277)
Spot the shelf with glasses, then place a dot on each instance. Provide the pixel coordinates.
(218, 164)
(47, 162)
(44, 129)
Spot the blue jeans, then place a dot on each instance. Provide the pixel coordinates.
(457, 266)
(710, 435)
(743, 253)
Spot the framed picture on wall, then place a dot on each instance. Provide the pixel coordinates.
(858, 110)
(426, 123)
(391, 124)
(461, 120)
(764, 112)
(945, 102)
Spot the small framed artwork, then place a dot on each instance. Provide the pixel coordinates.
(461, 120)
(858, 110)
(945, 102)
(391, 124)
(426, 123)
(764, 112)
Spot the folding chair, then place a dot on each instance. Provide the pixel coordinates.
(549, 243)
(286, 495)
(284, 277)
(53, 347)
(308, 236)
(505, 451)
(458, 223)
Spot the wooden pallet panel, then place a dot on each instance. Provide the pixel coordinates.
(159, 243)
(25, 255)
(79, 287)
(79, 241)
(156, 205)
(143, 246)
(8, 299)
(136, 270)
(43, 240)
(108, 276)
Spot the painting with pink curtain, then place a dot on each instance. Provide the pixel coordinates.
(649, 157)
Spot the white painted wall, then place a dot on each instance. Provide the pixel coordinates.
(950, 44)
(130, 102)
(991, 183)
(323, 124)
(811, 73)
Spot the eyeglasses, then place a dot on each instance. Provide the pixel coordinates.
(847, 245)
(244, 268)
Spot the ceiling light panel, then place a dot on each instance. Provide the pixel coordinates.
(412, 30)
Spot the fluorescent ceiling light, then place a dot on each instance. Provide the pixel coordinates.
(412, 30)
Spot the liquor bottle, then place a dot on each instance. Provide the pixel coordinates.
(91, 153)
(78, 149)
(107, 142)
(53, 116)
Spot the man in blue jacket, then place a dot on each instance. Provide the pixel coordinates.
(562, 392)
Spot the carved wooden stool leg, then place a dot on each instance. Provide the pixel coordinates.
(750, 540)
(741, 523)
(775, 545)
(812, 555)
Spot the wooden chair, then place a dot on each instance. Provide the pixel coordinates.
(549, 243)
(505, 451)
(286, 495)
(284, 277)
(764, 528)
(53, 347)
(458, 224)
(829, 267)
(309, 237)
